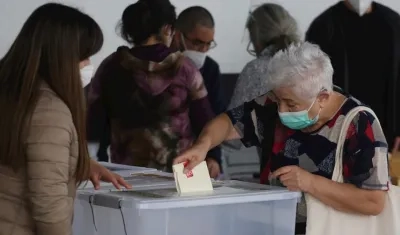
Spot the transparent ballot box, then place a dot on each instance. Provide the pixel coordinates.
(83, 212)
(234, 208)
(119, 167)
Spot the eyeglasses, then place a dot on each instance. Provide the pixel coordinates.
(250, 17)
(251, 50)
(200, 43)
(271, 96)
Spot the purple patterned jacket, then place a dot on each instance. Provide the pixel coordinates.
(146, 93)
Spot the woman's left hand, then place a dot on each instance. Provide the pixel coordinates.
(213, 168)
(100, 173)
(295, 178)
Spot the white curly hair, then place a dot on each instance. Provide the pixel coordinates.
(302, 66)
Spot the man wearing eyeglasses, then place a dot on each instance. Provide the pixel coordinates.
(194, 36)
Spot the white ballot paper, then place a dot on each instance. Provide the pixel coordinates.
(196, 180)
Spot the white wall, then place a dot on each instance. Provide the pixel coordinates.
(230, 17)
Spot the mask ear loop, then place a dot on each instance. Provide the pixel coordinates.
(183, 41)
(316, 116)
(312, 104)
(319, 112)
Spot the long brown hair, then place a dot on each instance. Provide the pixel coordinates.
(50, 46)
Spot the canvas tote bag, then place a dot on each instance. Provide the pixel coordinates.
(324, 220)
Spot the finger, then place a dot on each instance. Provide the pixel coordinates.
(114, 181)
(290, 184)
(217, 170)
(190, 165)
(123, 182)
(281, 171)
(182, 158)
(293, 189)
(210, 165)
(215, 173)
(96, 182)
(211, 171)
(286, 177)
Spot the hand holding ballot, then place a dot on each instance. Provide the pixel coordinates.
(192, 157)
(195, 180)
(191, 171)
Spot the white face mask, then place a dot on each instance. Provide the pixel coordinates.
(197, 57)
(360, 6)
(87, 74)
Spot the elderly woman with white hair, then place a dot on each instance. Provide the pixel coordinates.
(300, 82)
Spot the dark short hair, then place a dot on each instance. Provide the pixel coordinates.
(193, 16)
(146, 18)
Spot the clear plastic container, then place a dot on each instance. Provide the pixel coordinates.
(122, 170)
(119, 167)
(83, 223)
(233, 208)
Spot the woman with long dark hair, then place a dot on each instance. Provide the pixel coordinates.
(43, 150)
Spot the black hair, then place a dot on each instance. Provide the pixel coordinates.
(146, 18)
(91, 37)
(193, 16)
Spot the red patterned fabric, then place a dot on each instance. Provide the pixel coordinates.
(365, 151)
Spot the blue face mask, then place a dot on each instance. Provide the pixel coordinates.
(298, 120)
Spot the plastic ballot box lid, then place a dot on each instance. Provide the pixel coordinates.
(136, 179)
(233, 207)
(119, 167)
(122, 170)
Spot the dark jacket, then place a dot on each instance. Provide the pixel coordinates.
(212, 81)
(146, 93)
(327, 31)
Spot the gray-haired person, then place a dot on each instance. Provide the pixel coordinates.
(299, 79)
(271, 28)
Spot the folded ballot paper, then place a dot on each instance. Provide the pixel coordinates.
(196, 180)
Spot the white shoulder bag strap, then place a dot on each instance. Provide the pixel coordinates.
(338, 170)
(324, 220)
